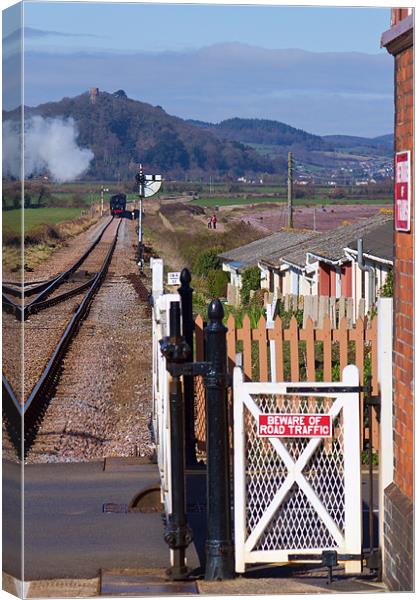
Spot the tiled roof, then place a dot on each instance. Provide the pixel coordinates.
(271, 247)
(330, 245)
(379, 242)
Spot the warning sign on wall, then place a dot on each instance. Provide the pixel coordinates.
(402, 191)
(294, 425)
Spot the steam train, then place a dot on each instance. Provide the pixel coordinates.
(117, 205)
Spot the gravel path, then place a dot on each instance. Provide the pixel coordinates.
(102, 403)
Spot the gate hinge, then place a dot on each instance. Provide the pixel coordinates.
(373, 401)
(190, 369)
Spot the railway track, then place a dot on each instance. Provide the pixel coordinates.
(23, 419)
(44, 290)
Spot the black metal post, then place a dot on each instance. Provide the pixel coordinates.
(178, 535)
(186, 293)
(141, 179)
(219, 546)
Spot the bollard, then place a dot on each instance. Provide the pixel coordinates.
(219, 546)
(178, 535)
(185, 291)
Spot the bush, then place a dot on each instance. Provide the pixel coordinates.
(217, 281)
(251, 280)
(387, 290)
(207, 261)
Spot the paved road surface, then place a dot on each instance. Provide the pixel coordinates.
(67, 534)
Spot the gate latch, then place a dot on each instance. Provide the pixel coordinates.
(328, 558)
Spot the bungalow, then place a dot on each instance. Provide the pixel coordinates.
(237, 260)
(326, 264)
(331, 265)
(378, 248)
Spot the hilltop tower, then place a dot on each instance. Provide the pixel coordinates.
(93, 94)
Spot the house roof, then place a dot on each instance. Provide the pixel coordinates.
(271, 246)
(330, 245)
(379, 242)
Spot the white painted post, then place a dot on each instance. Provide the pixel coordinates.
(386, 444)
(352, 475)
(157, 276)
(239, 471)
(270, 325)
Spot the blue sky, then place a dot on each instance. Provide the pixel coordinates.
(315, 68)
(134, 27)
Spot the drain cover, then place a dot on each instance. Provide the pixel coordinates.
(112, 507)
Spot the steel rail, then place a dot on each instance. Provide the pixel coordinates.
(61, 297)
(23, 311)
(29, 289)
(13, 413)
(34, 407)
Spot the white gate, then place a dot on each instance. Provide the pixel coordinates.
(296, 495)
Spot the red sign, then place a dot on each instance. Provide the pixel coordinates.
(402, 191)
(294, 425)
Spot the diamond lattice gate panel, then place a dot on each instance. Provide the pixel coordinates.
(297, 470)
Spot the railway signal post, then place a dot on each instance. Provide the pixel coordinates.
(149, 185)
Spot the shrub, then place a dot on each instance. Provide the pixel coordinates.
(217, 281)
(206, 261)
(251, 280)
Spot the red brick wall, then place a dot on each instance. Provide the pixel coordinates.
(404, 289)
(398, 14)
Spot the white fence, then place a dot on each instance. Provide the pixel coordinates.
(161, 416)
(296, 495)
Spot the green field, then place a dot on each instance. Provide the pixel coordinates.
(37, 216)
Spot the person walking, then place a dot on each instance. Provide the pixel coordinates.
(214, 221)
(209, 223)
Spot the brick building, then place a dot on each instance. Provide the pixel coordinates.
(398, 501)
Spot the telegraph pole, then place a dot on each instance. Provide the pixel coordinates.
(290, 191)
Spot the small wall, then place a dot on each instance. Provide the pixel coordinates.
(398, 538)
(233, 295)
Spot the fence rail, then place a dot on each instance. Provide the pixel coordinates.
(279, 353)
(318, 307)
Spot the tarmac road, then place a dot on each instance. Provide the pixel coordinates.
(67, 534)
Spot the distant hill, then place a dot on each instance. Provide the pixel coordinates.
(348, 141)
(264, 132)
(274, 138)
(121, 132)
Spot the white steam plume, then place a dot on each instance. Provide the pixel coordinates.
(49, 146)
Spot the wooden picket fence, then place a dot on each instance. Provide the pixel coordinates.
(298, 353)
